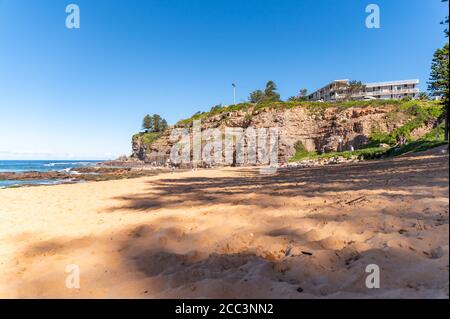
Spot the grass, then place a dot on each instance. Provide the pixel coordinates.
(419, 111)
(314, 107)
(147, 138)
(413, 147)
(419, 145)
(300, 149)
(364, 153)
(217, 111)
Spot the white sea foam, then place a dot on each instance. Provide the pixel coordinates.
(67, 163)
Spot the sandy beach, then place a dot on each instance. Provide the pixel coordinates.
(233, 233)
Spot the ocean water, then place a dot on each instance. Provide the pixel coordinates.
(42, 166)
(38, 166)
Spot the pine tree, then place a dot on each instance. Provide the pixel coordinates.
(302, 93)
(423, 96)
(270, 92)
(164, 125)
(256, 96)
(156, 123)
(147, 123)
(438, 84)
(445, 22)
(353, 88)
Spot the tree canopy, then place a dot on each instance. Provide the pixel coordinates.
(353, 88)
(147, 123)
(301, 96)
(154, 123)
(438, 83)
(256, 96)
(268, 95)
(445, 22)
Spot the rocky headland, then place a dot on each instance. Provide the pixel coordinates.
(319, 128)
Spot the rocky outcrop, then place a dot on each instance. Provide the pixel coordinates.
(324, 161)
(321, 129)
(95, 173)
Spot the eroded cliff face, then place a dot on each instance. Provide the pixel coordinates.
(319, 129)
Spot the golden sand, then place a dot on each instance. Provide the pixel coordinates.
(233, 233)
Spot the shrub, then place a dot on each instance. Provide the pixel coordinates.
(375, 152)
(422, 112)
(147, 138)
(301, 151)
(299, 147)
(412, 108)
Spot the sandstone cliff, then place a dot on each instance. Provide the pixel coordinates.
(319, 128)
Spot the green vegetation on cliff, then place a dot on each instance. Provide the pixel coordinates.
(401, 106)
(421, 112)
(153, 127)
(366, 153)
(146, 138)
(153, 124)
(418, 113)
(373, 152)
(432, 139)
(269, 99)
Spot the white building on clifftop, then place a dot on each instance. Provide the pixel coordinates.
(338, 91)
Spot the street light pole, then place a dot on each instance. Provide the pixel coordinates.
(234, 93)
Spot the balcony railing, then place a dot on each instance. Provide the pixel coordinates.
(387, 92)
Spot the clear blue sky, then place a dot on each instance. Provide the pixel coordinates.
(82, 93)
